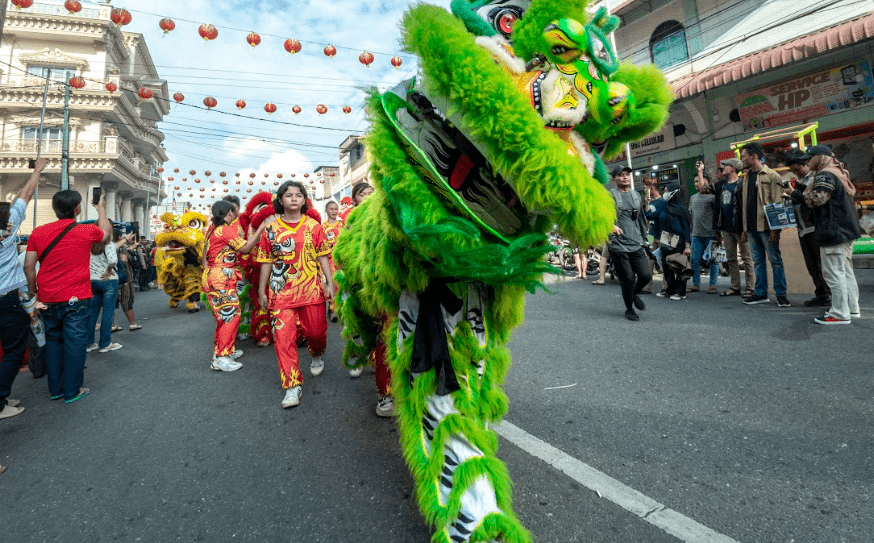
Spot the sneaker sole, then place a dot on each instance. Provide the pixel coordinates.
(833, 323)
(756, 302)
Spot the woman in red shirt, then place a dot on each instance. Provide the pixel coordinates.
(332, 227)
(291, 251)
(223, 241)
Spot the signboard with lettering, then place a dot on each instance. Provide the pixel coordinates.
(663, 140)
(808, 97)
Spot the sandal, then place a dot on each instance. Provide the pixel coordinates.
(82, 393)
(730, 292)
(135, 327)
(597, 282)
(116, 329)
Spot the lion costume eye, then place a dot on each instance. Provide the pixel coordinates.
(195, 223)
(502, 18)
(258, 208)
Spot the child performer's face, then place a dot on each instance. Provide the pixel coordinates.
(293, 200)
(332, 210)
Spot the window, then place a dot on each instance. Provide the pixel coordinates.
(668, 44)
(48, 133)
(59, 73)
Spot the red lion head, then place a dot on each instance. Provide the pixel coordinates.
(258, 208)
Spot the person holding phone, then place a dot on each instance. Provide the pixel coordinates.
(63, 289)
(14, 321)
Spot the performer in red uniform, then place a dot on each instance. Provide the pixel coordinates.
(332, 227)
(291, 251)
(223, 241)
(259, 210)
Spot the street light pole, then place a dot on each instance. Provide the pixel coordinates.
(42, 118)
(65, 149)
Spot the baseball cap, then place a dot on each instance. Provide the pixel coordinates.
(733, 162)
(619, 169)
(815, 150)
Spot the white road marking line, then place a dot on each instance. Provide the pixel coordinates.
(563, 386)
(672, 522)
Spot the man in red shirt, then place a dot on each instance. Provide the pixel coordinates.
(63, 289)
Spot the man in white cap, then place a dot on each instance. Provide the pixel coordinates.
(728, 223)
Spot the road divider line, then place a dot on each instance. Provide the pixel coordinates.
(653, 512)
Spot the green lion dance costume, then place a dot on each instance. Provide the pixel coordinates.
(180, 248)
(500, 139)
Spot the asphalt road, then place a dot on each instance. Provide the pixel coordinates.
(752, 421)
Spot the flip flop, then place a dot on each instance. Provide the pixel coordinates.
(116, 329)
(730, 292)
(135, 327)
(82, 393)
(597, 282)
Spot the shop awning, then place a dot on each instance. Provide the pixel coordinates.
(828, 39)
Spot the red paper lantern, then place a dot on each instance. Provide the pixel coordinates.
(276, 183)
(207, 173)
(270, 107)
(176, 170)
(227, 190)
(253, 39)
(144, 93)
(178, 97)
(224, 181)
(252, 175)
(202, 189)
(77, 82)
(160, 170)
(175, 188)
(330, 51)
(197, 180)
(223, 174)
(207, 32)
(292, 46)
(192, 172)
(210, 102)
(241, 103)
(347, 109)
(296, 110)
(178, 194)
(279, 176)
(73, 6)
(238, 174)
(111, 87)
(22, 4)
(366, 58)
(396, 62)
(267, 175)
(184, 179)
(322, 181)
(322, 109)
(170, 178)
(248, 190)
(306, 175)
(251, 183)
(167, 25)
(120, 16)
(292, 175)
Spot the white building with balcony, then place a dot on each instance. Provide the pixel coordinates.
(114, 142)
(354, 167)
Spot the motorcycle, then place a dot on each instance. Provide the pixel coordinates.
(562, 255)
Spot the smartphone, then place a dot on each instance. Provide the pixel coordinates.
(95, 197)
(31, 163)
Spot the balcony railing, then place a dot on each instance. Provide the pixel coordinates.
(36, 82)
(52, 146)
(58, 9)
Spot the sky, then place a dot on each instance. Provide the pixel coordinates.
(249, 140)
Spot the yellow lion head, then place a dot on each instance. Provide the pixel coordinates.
(185, 232)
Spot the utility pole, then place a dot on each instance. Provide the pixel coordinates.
(146, 225)
(2, 17)
(42, 118)
(65, 149)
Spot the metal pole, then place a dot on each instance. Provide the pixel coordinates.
(146, 226)
(65, 146)
(42, 117)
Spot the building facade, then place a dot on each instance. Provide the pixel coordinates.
(114, 142)
(354, 167)
(743, 68)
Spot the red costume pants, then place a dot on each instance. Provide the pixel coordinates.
(221, 291)
(315, 330)
(382, 373)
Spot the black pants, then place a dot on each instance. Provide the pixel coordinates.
(674, 281)
(634, 272)
(143, 279)
(810, 250)
(14, 331)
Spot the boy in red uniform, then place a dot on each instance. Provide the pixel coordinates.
(291, 251)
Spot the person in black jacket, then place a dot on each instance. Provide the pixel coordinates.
(729, 227)
(830, 195)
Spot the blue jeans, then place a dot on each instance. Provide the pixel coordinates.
(67, 337)
(14, 332)
(105, 294)
(760, 245)
(699, 244)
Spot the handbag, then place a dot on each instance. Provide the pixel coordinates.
(680, 264)
(121, 270)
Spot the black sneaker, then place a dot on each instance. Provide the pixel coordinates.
(638, 303)
(783, 301)
(755, 299)
(819, 301)
(631, 315)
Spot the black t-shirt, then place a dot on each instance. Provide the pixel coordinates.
(752, 203)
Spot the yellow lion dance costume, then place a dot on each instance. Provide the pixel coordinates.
(180, 249)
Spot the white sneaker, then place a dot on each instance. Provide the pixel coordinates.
(292, 397)
(676, 297)
(317, 366)
(385, 407)
(92, 347)
(856, 315)
(233, 356)
(110, 347)
(356, 372)
(225, 363)
(241, 337)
